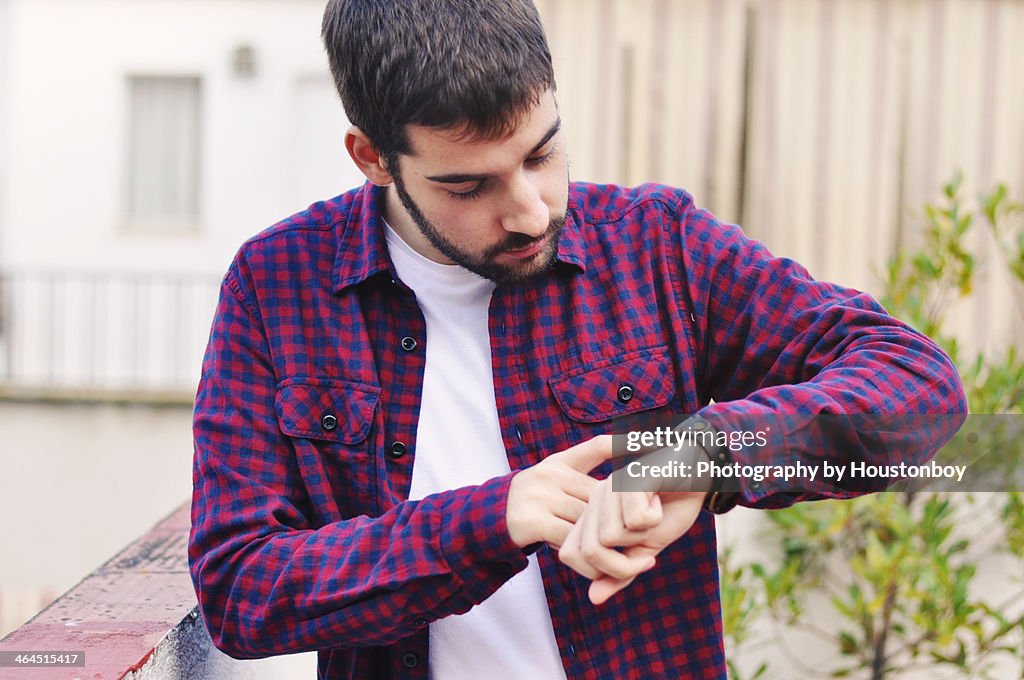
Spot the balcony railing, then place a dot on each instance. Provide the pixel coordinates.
(103, 335)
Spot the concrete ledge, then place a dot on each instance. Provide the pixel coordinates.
(93, 395)
(187, 652)
(135, 618)
(118, 614)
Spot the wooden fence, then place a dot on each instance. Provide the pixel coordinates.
(821, 126)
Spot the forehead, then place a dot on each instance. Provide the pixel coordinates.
(435, 147)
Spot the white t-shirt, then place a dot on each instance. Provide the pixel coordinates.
(509, 636)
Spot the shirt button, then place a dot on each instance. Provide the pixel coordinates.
(410, 660)
(625, 393)
(397, 449)
(409, 344)
(329, 422)
(419, 623)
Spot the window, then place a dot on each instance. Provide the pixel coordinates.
(163, 165)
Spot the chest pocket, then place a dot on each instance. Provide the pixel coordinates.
(632, 391)
(329, 422)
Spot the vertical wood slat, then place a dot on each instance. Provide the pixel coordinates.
(823, 131)
(989, 64)
(759, 203)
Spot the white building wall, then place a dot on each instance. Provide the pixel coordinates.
(6, 20)
(68, 63)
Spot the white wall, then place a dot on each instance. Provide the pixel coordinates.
(5, 99)
(68, 62)
(84, 480)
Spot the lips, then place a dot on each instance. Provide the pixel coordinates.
(528, 251)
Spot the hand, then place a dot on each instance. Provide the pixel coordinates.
(640, 522)
(546, 499)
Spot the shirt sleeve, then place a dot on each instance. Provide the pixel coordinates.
(773, 343)
(268, 579)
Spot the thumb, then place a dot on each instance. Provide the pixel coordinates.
(603, 587)
(641, 510)
(587, 455)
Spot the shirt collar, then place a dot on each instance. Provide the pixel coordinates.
(571, 250)
(363, 251)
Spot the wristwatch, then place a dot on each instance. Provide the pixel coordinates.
(716, 500)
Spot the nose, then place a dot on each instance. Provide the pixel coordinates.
(525, 211)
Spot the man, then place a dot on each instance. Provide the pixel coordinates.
(405, 387)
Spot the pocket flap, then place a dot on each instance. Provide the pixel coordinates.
(321, 408)
(611, 388)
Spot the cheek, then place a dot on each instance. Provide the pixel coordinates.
(465, 225)
(556, 187)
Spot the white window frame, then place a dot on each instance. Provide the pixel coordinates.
(163, 153)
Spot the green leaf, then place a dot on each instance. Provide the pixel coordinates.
(951, 188)
(848, 644)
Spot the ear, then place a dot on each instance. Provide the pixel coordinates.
(366, 156)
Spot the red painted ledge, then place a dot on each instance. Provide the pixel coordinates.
(119, 613)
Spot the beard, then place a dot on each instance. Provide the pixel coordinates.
(485, 264)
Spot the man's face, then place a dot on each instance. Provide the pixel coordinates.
(496, 207)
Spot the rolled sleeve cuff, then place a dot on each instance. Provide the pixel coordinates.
(475, 539)
(729, 491)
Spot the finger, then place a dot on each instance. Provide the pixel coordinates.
(557, 531)
(640, 510)
(605, 559)
(642, 550)
(587, 455)
(570, 554)
(610, 562)
(569, 508)
(577, 484)
(577, 564)
(601, 589)
(611, 529)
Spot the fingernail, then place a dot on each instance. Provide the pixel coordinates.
(649, 564)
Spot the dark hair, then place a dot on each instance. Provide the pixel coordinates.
(477, 64)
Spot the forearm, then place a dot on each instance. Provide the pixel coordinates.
(266, 589)
(888, 397)
(775, 343)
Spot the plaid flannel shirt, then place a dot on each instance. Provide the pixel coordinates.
(305, 425)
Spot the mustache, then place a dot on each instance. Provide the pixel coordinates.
(519, 241)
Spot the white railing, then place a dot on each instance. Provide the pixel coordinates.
(92, 333)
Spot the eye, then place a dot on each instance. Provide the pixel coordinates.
(537, 161)
(467, 195)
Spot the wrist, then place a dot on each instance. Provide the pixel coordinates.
(716, 500)
(519, 527)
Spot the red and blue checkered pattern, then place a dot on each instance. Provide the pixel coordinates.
(305, 425)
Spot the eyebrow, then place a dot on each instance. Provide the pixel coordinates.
(459, 178)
